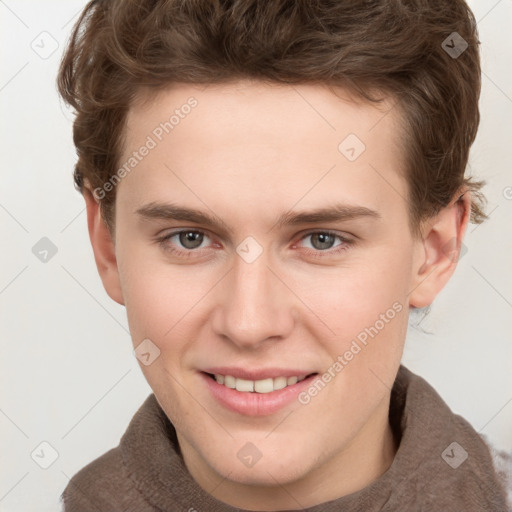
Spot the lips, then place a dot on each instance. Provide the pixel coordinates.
(256, 392)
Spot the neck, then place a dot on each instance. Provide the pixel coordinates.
(360, 463)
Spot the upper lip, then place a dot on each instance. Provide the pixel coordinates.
(256, 373)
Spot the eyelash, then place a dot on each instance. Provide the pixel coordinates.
(345, 244)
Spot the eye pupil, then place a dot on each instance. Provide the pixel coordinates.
(191, 239)
(322, 240)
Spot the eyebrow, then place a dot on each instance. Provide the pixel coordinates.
(335, 213)
(338, 212)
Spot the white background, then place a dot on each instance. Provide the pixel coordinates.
(67, 374)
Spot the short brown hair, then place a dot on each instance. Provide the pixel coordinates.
(395, 47)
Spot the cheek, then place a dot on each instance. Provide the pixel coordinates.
(160, 304)
(351, 298)
(156, 295)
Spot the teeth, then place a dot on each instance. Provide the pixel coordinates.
(264, 386)
(229, 381)
(280, 382)
(258, 386)
(244, 385)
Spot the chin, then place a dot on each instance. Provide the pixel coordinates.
(265, 472)
(264, 476)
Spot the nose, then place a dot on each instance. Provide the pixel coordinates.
(254, 305)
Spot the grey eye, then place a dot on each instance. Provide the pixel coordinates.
(191, 239)
(322, 241)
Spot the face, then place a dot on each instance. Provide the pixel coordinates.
(263, 238)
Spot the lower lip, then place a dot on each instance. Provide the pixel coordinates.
(255, 404)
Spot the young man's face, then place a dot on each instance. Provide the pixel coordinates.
(269, 291)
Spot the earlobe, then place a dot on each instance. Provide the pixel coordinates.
(103, 248)
(438, 255)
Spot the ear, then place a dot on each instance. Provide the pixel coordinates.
(440, 247)
(103, 247)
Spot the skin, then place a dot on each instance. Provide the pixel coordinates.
(248, 153)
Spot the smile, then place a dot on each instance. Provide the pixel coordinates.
(257, 386)
(260, 396)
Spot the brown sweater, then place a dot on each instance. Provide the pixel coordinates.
(146, 472)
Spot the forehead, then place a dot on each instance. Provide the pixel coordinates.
(254, 139)
(269, 110)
